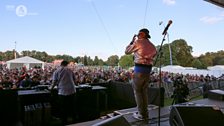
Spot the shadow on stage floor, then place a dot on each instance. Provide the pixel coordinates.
(153, 114)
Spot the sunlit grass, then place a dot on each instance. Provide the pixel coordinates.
(168, 101)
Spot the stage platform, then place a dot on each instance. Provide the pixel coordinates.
(153, 114)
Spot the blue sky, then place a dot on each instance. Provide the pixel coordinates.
(105, 27)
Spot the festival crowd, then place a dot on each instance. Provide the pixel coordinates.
(26, 78)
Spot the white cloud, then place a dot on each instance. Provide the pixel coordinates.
(211, 20)
(169, 2)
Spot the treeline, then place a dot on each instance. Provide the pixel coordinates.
(178, 50)
(182, 55)
(43, 56)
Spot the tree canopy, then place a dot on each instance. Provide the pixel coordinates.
(178, 51)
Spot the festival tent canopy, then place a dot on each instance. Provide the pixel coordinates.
(26, 61)
(217, 70)
(216, 67)
(184, 70)
(172, 68)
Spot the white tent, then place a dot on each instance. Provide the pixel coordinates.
(173, 68)
(216, 67)
(216, 70)
(26, 61)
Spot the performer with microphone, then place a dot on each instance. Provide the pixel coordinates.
(144, 52)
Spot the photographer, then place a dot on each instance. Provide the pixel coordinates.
(206, 87)
(181, 91)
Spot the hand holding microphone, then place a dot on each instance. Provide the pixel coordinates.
(133, 39)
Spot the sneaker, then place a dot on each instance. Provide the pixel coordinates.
(137, 116)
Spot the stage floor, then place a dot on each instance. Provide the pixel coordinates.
(153, 114)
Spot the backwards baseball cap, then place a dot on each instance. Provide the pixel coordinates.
(146, 31)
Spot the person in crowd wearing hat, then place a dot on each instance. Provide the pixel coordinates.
(144, 52)
(64, 78)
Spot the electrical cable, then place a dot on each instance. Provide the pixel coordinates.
(146, 8)
(103, 25)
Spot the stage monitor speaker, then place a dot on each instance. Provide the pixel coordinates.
(114, 121)
(196, 116)
(216, 95)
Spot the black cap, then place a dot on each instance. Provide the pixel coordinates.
(64, 63)
(146, 31)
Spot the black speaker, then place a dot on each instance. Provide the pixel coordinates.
(196, 116)
(9, 110)
(216, 95)
(153, 96)
(114, 121)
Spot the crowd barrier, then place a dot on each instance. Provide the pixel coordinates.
(121, 95)
(196, 88)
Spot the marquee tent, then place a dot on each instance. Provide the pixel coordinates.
(173, 68)
(217, 70)
(216, 67)
(26, 61)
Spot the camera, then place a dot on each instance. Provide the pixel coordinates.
(181, 91)
(178, 82)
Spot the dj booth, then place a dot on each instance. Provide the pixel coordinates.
(23, 106)
(91, 101)
(37, 106)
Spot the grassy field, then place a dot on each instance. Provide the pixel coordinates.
(168, 101)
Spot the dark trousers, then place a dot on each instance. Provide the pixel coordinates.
(67, 108)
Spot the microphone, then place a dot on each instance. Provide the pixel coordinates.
(167, 26)
(133, 39)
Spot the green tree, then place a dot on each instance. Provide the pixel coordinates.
(89, 61)
(1, 56)
(101, 62)
(113, 60)
(8, 55)
(49, 59)
(96, 61)
(196, 63)
(40, 55)
(212, 58)
(65, 57)
(85, 60)
(207, 59)
(163, 56)
(126, 61)
(26, 53)
(182, 52)
(33, 54)
(78, 59)
(220, 62)
(218, 58)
